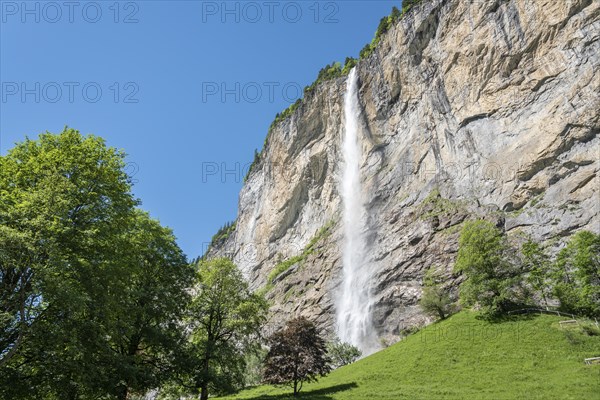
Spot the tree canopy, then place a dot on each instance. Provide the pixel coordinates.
(224, 319)
(576, 275)
(435, 300)
(297, 354)
(492, 279)
(91, 286)
(342, 353)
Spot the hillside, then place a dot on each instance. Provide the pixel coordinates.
(528, 356)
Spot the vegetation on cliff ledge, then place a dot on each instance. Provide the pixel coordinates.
(222, 234)
(310, 248)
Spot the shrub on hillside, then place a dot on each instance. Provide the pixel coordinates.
(492, 280)
(342, 353)
(435, 299)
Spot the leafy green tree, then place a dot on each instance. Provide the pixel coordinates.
(254, 364)
(297, 354)
(91, 288)
(17, 308)
(342, 353)
(435, 299)
(63, 197)
(144, 325)
(537, 264)
(492, 280)
(225, 319)
(577, 275)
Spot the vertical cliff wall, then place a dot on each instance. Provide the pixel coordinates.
(468, 108)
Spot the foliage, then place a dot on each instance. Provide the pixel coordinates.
(255, 162)
(492, 280)
(225, 318)
(329, 72)
(90, 285)
(254, 365)
(435, 205)
(297, 354)
(335, 70)
(283, 266)
(435, 299)
(341, 353)
(408, 4)
(384, 26)
(577, 275)
(463, 357)
(537, 264)
(222, 234)
(281, 117)
(144, 333)
(349, 63)
(366, 51)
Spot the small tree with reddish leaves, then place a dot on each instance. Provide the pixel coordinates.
(297, 354)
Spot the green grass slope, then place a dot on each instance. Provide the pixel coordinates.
(525, 357)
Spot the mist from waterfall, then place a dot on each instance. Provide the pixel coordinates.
(354, 321)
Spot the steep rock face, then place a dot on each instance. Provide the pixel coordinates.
(469, 108)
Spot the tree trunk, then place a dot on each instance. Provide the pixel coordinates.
(296, 375)
(205, 368)
(122, 393)
(204, 391)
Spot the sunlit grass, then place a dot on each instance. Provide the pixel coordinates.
(525, 357)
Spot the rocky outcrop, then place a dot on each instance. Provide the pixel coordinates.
(469, 108)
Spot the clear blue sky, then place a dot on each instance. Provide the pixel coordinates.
(161, 67)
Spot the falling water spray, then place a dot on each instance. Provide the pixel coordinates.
(354, 320)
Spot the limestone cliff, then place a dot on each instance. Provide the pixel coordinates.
(469, 108)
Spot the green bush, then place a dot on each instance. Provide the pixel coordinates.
(577, 275)
(348, 65)
(341, 353)
(366, 51)
(408, 4)
(492, 280)
(282, 267)
(537, 265)
(435, 299)
(254, 362)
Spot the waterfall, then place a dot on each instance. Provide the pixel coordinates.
(354, 321)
